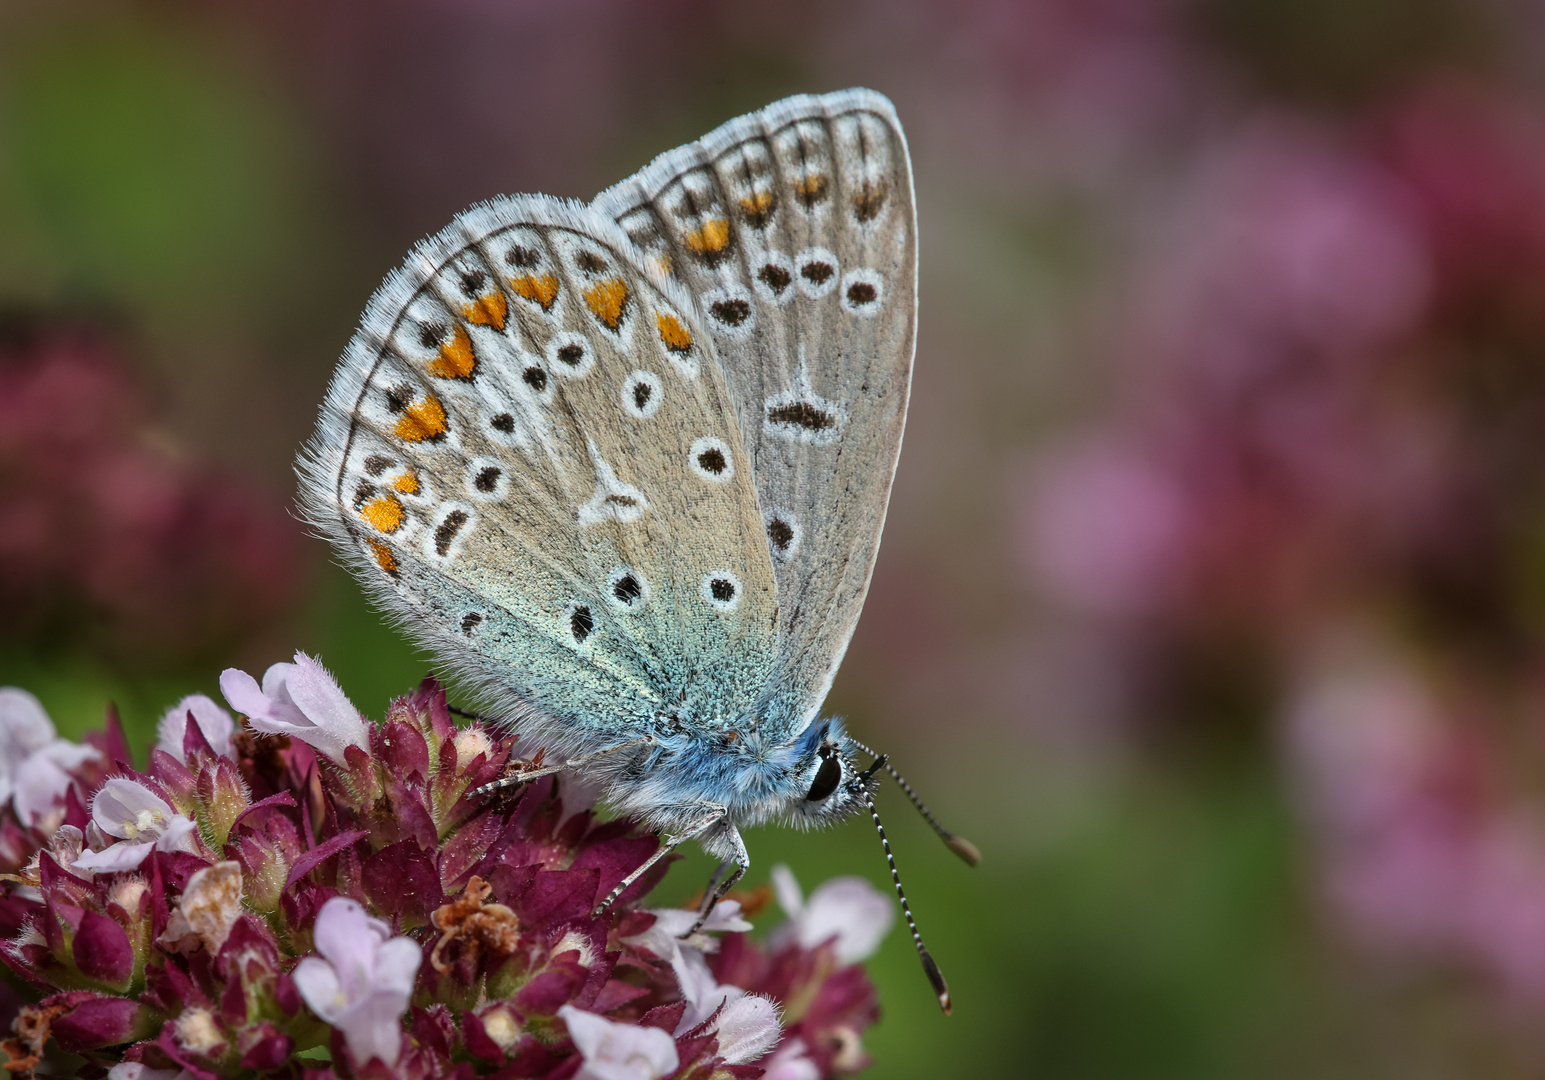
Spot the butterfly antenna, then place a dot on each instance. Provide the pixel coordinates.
(958, 844)
(931, 969)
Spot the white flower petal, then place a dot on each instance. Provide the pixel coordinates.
(363, 985)
(345, 936)
(318, 985)
(373, 1026)
(67, 755)
(275, 680)
(24, 727)
(114, 859)
(701, 990)
(791, 1063)
(243, 693)
(850, 910)
(318, 695)
(134, 1070)
(790, 898)
(663, 937)
(725, 917)
(269, 707)
(214, 722)
(300, 700)
(180, 834)
(615, 1051)
(39, 785)
(748, 1028)
(397, 964)
(127, 809)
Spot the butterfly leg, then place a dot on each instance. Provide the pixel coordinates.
(695, 828)
(711, 893)
(523, 776)
(721, 883)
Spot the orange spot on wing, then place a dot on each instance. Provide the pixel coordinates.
(712, 238)
(675, 336)
(538, 288)
(488, 310)
(868, 203)
(608, 299)
(757, 207)
(456, 360)
(384, 513)
(385, 558)
(422, 421)
(407, 483)
(812, 189)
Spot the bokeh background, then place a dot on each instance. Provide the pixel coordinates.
(1212, 600)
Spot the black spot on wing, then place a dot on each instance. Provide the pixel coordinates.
(446, 531)
(781, 533)
(802, 414)
(775, 278)
(731, 312)
(627, 589)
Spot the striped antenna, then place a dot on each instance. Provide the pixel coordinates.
(958, 844)
(931, 969)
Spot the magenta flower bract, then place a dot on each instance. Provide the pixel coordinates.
(251, 896)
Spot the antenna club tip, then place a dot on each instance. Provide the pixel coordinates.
(965, 849)
(936, 978)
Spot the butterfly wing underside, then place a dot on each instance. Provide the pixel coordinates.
(529, 456)
(795, 230)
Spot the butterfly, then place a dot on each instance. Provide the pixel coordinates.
(624, 465)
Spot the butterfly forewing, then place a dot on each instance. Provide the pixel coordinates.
(794, 229)
(531, 456)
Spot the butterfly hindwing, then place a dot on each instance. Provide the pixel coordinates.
(794, 229)
(530, 456)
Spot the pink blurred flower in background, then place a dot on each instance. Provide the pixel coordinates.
(1427, 852)
(35, 764)
(1253, 450)
(1329, 412)
(112, 539)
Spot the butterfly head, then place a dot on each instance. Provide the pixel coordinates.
(828, 782)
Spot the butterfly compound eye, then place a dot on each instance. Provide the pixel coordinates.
(827, 777)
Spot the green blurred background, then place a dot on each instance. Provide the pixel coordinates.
(1212, 598)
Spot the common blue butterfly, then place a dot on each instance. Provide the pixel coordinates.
(624, 465)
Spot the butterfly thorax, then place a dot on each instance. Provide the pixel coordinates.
(755, 779)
